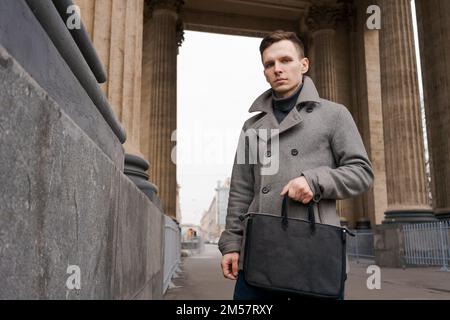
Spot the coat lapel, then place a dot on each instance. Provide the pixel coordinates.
(268, 124)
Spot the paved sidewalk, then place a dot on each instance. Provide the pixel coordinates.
(399, 284)
(201, 279)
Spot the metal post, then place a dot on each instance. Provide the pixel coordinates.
(406, 236)
(444, 255)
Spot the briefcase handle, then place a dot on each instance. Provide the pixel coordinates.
(284, 212)
(311, 217)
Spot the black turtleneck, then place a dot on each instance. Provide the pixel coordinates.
(282, 106)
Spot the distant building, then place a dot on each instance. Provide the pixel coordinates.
(213, 220)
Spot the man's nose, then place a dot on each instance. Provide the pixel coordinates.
(277, 68)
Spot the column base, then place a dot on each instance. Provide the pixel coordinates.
(408, 216)
(135, 168)
(389, 245)
(442, 214)
(363, 224)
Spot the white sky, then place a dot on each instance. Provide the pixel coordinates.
(219, 77)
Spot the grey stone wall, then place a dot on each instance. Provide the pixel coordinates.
(63, 202)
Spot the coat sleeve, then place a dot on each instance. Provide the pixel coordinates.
(353, 174)
(240, 198)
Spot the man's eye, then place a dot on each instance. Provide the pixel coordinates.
(268, 65)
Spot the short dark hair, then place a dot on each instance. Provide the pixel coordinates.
(279, 35)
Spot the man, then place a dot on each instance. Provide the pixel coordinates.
(320, 154)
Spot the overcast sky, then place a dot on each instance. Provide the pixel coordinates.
(219, 77)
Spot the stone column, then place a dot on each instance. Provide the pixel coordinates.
(115, 28)
(159, 96)
(323, 23)
(434, 36)
(404, 149)
(325, 63)
(367, 89)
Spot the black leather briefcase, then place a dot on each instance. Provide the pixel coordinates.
(295, 256)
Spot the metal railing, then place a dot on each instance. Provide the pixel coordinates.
(172, 250)
(428, 244)
(361, 246)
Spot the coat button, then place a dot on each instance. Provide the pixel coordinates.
(268, 154)
(309, 109)
(266, 189)
(294, 152)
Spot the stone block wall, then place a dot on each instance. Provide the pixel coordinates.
(389, 246)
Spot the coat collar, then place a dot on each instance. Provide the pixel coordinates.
(268, 121)
(308, 93)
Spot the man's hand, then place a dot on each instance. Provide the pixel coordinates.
(230, 265)
(299, 190)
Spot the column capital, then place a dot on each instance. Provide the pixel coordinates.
(179, 32)
(155, 8)
(169, 5)
(321, 18)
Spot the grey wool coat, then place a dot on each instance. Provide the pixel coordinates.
(317, 139)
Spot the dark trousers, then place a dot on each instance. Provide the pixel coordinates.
(244, 291)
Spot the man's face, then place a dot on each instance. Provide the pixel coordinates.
(283, 67)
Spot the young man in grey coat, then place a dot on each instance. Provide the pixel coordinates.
(319, 154)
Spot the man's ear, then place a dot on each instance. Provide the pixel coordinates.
(265, 76)
(305, 65)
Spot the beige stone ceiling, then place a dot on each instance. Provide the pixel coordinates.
(246, 17)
